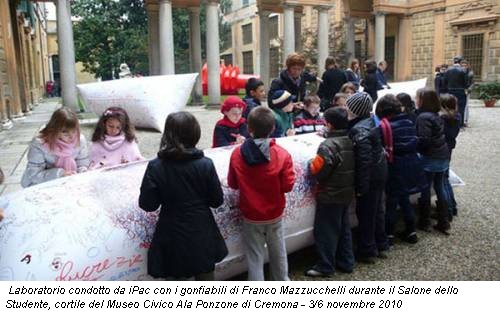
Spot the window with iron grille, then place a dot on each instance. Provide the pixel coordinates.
(228, 59)
(273, 27)
(248, 62)
(274, 62)
(247, 33)
(472, 50)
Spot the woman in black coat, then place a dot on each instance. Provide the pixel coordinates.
(333, 79)
(183, 182)
(371, 84)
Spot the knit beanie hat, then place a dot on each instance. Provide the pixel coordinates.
(281, 98)
(233, 102)
(360, 104)
(458, 59)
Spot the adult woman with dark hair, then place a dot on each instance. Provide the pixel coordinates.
(292, 79)
(370, 82)
(435, 156)
(333, 79)
(353, 73)
(187, 241)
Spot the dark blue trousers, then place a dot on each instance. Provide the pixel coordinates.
(371, 218)
(462, 102)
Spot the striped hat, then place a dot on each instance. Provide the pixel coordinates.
(281, 98)
(360, 104)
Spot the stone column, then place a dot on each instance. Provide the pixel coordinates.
(350, 38)
(195, 50)
(298, 31)
(66, 55)
(153, 39)
(167, 60)
(379, 36)
(213, 65)
(322, 38)
(264, 47)
(404, 55)
(289, 31)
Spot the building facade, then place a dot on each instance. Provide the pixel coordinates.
(24, 68)
(414, 36)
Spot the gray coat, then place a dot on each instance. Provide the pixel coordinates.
(41, 163)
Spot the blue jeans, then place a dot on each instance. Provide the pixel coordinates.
(452, 204)
(371, 218)
(391, 215)
(435, 170)
(332, 235)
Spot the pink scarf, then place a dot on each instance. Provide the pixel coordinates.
(64, 154)
(388, 140)
(111, 143)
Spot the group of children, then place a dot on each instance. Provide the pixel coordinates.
(61, 150)
(375, 160)
(291, 117)
(378, 161)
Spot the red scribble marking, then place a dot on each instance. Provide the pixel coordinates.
(97, 270)
(145, 245)
(27, 258)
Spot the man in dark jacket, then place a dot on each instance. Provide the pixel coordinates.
(293, 79)
(370, 178)
(382, 81)
(333, 167)
(457, 80)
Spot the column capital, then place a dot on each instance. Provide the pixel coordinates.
(379, 13)
(289, 6)
(194, 10)
(323, 8)
(164, 1)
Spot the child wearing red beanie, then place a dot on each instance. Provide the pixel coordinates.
(232, 129)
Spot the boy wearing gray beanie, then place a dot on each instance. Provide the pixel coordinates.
(370, 178)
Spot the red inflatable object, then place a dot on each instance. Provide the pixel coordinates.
(231, 81)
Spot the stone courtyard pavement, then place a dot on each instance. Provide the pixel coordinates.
(472, 252)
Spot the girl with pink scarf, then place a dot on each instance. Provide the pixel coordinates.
(59, 150)
(114, 141)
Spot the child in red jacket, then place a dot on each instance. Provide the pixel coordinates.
(263, 172)
(232, 129)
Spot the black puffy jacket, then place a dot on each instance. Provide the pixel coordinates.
(369, 155)
(431, 141)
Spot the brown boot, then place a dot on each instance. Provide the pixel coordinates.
(443, 225)
(424, 214)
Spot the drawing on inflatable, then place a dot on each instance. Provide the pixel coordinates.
(89, 226)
